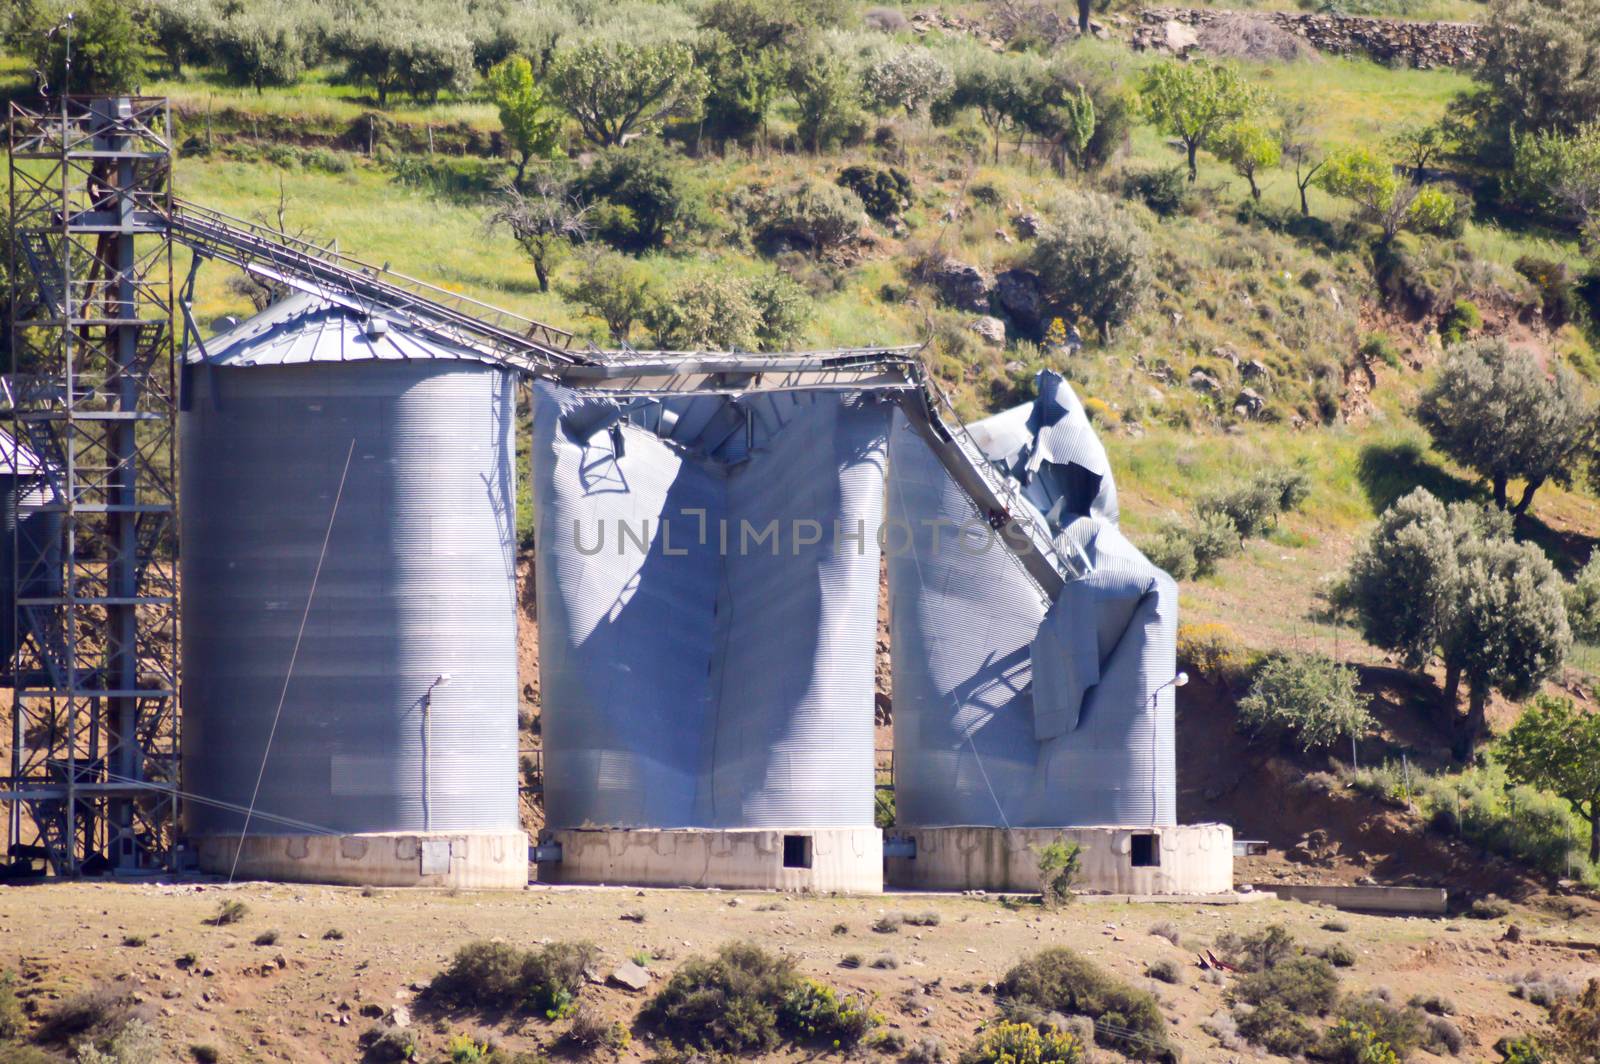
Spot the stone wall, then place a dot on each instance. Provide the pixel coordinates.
(1418, 44)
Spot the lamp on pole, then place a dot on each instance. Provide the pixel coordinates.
(1180, 680)
(441, 680)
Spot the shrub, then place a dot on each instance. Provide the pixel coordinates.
(1339, 955)
(1577, 1024)
(1058, 866)
(590, 1030)
(887, 924)
(97, 1012)
(333, 934)
(1213, 651)
(135, 1042)
(639, 197)
(814, 214)
(13, 1024)
(267, 938)
(1308, 699)
(1401, 1029)
(1259, 950)
(499, 977)
(229, 912)
(926, 1050)
(384, 1043)
(1355, 1043)
(1092, 260)
(1460, 322)
(928, 918)
(1168, 930)
(1058, 980)
(1249, 508)
(1378, 347)
(727, 1003)
(205, 1054)
(1307, 986)
(884, 190)
(711, 312)
(134, 941)
(1336, 926)
(1489, 907)
(1522, 1049)
(815, 1012)
(1162, 189)
(1433, 1004)
(886, 962)
(1444, 1037)
(1166, 970)
(1275, 1029)
(1583, 601)
(1172, 551)
(1213, 538)
(1023, 1043)
(1558, 297)
(851, 960)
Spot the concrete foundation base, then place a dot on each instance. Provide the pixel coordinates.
(471, 861)
(1191, 859)
(821, 860)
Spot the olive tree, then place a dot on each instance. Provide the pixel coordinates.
(1500, 413)
(1249, 147)
(996, 86)
(1540, 66)
(908, 79)
(108, 43)
(1195, 101)
(614, 88)
(1451, 582)
(261, 48)
(1092, 258)
(1555, 747)
(1583, 601)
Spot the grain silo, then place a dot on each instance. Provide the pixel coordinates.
(349, 630)
(1018, 721)
(707, 594)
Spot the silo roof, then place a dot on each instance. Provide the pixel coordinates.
(304, 328)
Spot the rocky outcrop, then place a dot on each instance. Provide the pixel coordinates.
(1419, 44)
(960, 284)
(1017, 293)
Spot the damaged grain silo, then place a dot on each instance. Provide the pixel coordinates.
(349, 631)
(1018, 721)
(707, 593)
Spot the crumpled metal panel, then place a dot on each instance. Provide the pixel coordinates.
(1010, 711)
(713, 669)
(417, 582)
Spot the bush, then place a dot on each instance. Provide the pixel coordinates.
(813, 214)
(1213, 538)
(1355, 1043)
(136, 1042)
(1275, 1029)
(1213, 651)
(1558, 296)
(229, 912)
(267, 938)
(1165, 970)
(1092, 260)
(590, 1030)
(13, 1024)
(1249, 508)
(1171, 551)
(1306, 986)
(1460, 322)
(887, 924)
(1162, 189)
(1339, 955)
(711, 312)
(205, 1054)
(97, 1012)
(926, 1050)
(499, 977)
(1489, 907)
(1058, 863)
(815, 1012)
(1058, 980)
(884, 190)
(1377, 347)
(725, 1004)
(1433, 1004)
(1443, 1037)
(1168, 930)
(384, 1043)
(1259, 950)
(639, 197)
(886, 962)
(1401, 1029)
(1023, 1043)
(1308, 699)
(1583, 601)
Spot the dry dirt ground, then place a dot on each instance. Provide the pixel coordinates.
(308, 997)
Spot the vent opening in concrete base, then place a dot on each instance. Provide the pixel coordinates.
(1146, 851)
(797, 851)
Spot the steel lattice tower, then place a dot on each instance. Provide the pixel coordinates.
(90, 400)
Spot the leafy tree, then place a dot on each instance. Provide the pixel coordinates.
(404, 51)
(1500, 413)
(1556, 747)
(908, 79)
(744, 84)
(531, 124)
(1509, 631)
(1453, 582)
(1418, 146)
(784, 308)
(615, 289)
(1583, 601)
(545, 220)
(260, 48)
(438, 59)
(885, 190)
(1249, 147)
(827, 94)
(1092, 258)
(1560, 173)
(1380, 195)
(1195, 101)
(1307, 698)
(640, 198)
(1299, 150)
(997, 86)
(711, 312)
(759, 25)
(181, 30)
(614, 88)
(1540, 66)
(108, 43)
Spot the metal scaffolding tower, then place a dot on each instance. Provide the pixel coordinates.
(90, 403)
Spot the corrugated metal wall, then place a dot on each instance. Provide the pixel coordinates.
(31, 553)
(1006, 712)
(703, 673)
(417, 581)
